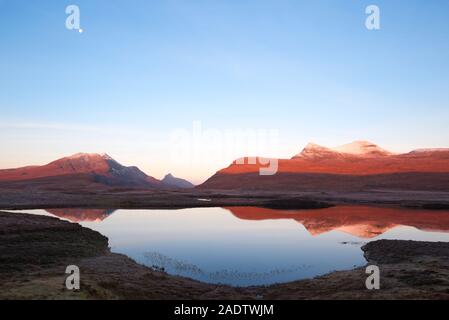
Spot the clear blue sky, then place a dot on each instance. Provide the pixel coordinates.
(142, 69)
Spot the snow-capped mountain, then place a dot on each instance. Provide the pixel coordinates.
(360, 165)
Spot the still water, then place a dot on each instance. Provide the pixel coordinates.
(245, 246)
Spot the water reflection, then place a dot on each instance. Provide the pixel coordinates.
(255, 246)
(360, 221)
(80, 215)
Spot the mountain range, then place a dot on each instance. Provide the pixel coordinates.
(360, 165)
(357, 166)
(90, 169)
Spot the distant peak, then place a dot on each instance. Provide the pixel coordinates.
(87, 156)
(83, 155)
(312, 145)
(362, 147)
(82, 159)
(313, 150)
(173, 181)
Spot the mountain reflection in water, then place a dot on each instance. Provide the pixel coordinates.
(361, 221)
(80, 215)
(246, 246)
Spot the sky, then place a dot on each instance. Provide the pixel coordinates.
(161, 84)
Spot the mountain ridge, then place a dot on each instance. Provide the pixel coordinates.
(173, 181)
(362, 165)
(354, 166)
(92, 168)
(360, 148)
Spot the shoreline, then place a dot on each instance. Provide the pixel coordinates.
(182, 199)
(34, 263)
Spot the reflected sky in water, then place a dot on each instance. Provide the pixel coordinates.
(254, 246)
